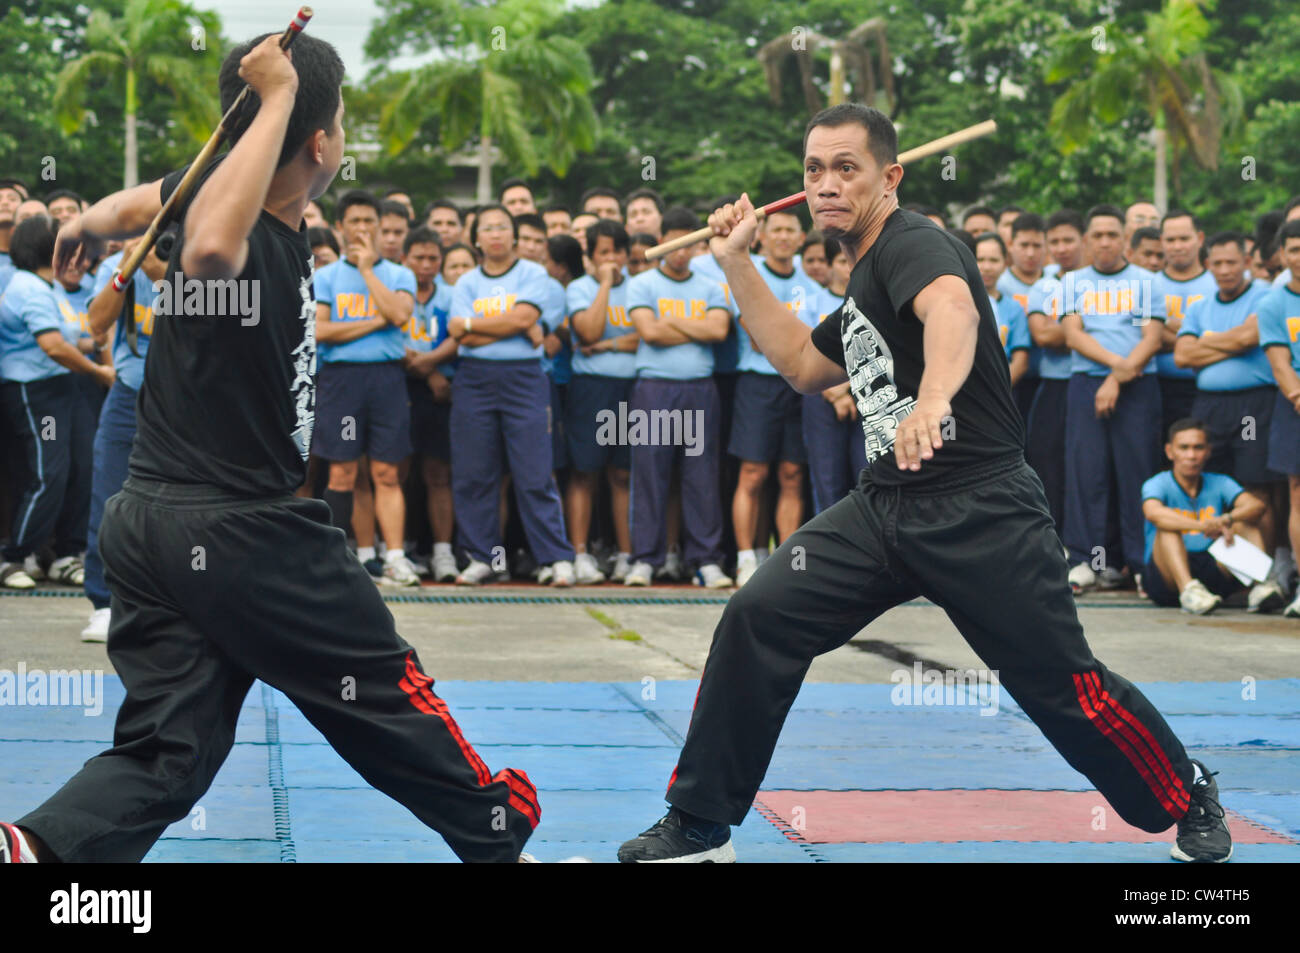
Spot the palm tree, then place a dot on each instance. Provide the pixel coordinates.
(153, 40)
(1191, 105)
(504, 82)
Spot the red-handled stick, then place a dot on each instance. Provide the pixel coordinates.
(129, 264)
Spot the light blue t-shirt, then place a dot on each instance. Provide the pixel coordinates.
(1045, 298)
(1019, 291)
(1279, 321)
(578, 297)
(1178, 296)
(1114, 309)
(726, 353)
(1214, 499)
(6, 272)
(73, 305)
(1209, 316)
(480, 295)
(555, 316)
(691, 298)
(129, 368)
(795, 290)
(340, 286)
(823, 304)
(1013, 327)
(27, 310)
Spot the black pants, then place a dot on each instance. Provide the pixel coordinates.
(984, 550)
(1045, 444)
(210, 592)
(55, 427)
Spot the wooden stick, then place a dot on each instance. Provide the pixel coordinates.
(182, 192)
(911, 155)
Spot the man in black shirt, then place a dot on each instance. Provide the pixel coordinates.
(219, 574)
(947, 509)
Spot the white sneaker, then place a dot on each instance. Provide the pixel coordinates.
(744, 570)
(1293, 610)
(622, 565)
(97, 629)
(398, 571)
(639, 575)
(444, 567)
(1266, 596)
(672, 567)
(562, 575)
(32, 566)
(1198, 600)
(13, 576)
(586, 570)
(68, 570)
(475, 574)
(710, 576)
(1082, 578)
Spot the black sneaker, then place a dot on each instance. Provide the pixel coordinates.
(673, 841)
(375, 566)
(1202, 834)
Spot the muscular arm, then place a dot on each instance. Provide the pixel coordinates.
(1168, 518)
(948, 312)
(654, 331)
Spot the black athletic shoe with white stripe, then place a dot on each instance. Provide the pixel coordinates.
(674, 840)
(10, 848)
(1202, 833)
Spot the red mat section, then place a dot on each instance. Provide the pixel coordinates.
(914, 817)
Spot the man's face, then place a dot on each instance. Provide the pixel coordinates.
(446, 223)
(10, 199)
(312, 216)
(1291, 256)
(603, 206)
(1182, 243)
(424, 259)
(558, 222)
(1188, 452)
(606, 252)
(1227, 263)
(979, 223)
(392, 232)
(679, 260)
(532, 243)
(815, 265)
(518, 200)
(1004, 225)
(843, 181)
(359, 222)
(457, 263)
(1150, 254)
(64, 209)
(1140, 215)
(988, 256)
(495, 233)
(1065, 245)
(782, 236)
(1105, 241)
(29, 209)
(643, 217)
(1027, 250)
(578, 229)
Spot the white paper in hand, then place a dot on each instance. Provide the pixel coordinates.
(1243, 558)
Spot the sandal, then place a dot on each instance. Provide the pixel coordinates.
(12, 576)
(68, 571)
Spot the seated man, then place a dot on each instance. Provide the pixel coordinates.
(1186, 509)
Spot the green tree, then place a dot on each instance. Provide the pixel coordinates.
(497, 76)
(165, 41)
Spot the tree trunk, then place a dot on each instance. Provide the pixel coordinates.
(131, 173)
(837, 78)
(485, 170)
(1161, 196)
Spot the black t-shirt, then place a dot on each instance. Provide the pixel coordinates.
(228, 397)
(876, 336)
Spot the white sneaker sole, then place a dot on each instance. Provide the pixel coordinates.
(726, 854)
(1177, 854)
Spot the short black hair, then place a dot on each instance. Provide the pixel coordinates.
(1179, 213)
(492, 207)
(1065, 216)
(1291, 203)
(1266, 227)
(31, 246)
(513, 182)
(63, 194)
(442, 203)
(320, 80)
(1145, 233)
(1103, 211)
(643, 239)
(357, 197)
(1010, 208)
(1290, 230)
(318, 235)
(1187, 423)
(833, 249)
(1227, 237)
(611, 228)
(17, 185)
(811, 238)
(558, 207)
(1027, 222)
(565, 250)
(963, 236)
(920, 208)
(977, 210)
(423, 235)
(882, 137)
(680, 219)
(532, 220)
(991, 237)
(389, 207)
(602, 190)
(645, 192)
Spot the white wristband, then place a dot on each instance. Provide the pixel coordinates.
(468, 321)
